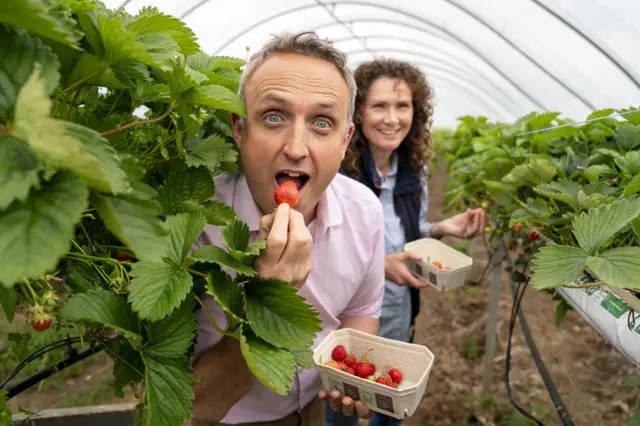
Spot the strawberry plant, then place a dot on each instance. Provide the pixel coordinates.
(575, 185)
(112, 127)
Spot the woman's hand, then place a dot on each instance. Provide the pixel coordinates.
(396, 270)
(467, 225)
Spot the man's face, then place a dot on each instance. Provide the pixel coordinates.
(296, 128)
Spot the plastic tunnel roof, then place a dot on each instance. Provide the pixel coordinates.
(499, 58)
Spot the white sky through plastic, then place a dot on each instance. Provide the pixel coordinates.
(457, 43)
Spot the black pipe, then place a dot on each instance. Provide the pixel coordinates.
(559, 405)
(52, 369)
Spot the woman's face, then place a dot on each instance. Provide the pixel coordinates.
(387, 113)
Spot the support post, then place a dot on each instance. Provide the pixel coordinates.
(492, 322)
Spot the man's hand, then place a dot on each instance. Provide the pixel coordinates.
(346, 405)
(289, 246)
(396, 270)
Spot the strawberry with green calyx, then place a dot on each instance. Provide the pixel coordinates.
(287, 193)
(38, 318)
(123, 257)
(533, 236)
(364, 368)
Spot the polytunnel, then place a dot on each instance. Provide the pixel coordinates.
(139, 192)
(501, 59)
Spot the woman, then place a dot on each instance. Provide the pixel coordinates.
(389, 154)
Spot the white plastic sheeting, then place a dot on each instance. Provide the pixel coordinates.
(499, 58)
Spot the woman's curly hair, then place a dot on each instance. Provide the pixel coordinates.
(418, 140)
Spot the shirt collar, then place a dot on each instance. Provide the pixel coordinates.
(328, 214)
(393, 169)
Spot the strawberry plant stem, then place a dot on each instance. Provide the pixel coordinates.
(136, 123)
(585, 285)
(213, 323)
(87, 257)
(193, 271)
(31, 292)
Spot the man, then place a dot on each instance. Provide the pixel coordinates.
(299, 96)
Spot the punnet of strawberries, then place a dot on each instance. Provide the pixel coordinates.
(342, 360)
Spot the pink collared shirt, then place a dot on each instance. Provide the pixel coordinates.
(346, 279)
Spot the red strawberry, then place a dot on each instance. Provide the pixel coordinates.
(393, 385)
(350, 370)
(533, 235)
(342, 366)
(350, 361)
(517, 227)
(41, 325)
(123, 257)
(396, 375)
(339, 353)
(287, 193)
(383, 380)
(364, 368)
(333, 364)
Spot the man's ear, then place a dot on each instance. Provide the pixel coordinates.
(237, 127)
(348, 137)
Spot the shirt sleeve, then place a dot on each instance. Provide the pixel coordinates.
(424, 208)
(367, 301)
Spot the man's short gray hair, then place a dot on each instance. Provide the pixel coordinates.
(306, 43)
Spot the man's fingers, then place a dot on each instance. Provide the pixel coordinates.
(278, 235)
(300, 242)
(363, 410)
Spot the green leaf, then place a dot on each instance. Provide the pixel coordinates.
(218, 97)
(169, 393)
(153, 21)
(180, 79)
(35, 233)
(215, 212)
(274, 367)
(635, 224)
(561, 311)
(20, 54)
(183, 184)
(172, 336)
(8, 301)
(533, 209)
(215, 254)
(18, 170)
(128, 367)
(633, 420)
(209, 152)
(534, 172)
(52, 140)
(303, 357)
(600, 113)
(557, 265)
(144, 92)
(632, 187)
(226, 62)
(135, 222)
(184, 228)
(235, 235)
(565, 191)
(109, 176)
(157, 288)
(594, 228)
(226, 291)
(102, 307)
(97, 70)
(618, 267)
(279, 315)
(35, 16)
(629, 163)
(628, 137)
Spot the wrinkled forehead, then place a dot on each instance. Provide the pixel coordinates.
(298, 81)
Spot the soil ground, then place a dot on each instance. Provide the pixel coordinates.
(586, 370)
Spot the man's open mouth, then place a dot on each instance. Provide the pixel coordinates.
(300, 178)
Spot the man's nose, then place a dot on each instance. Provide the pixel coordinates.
(296, 146)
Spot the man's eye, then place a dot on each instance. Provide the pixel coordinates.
(272, 118)
(323, 124)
